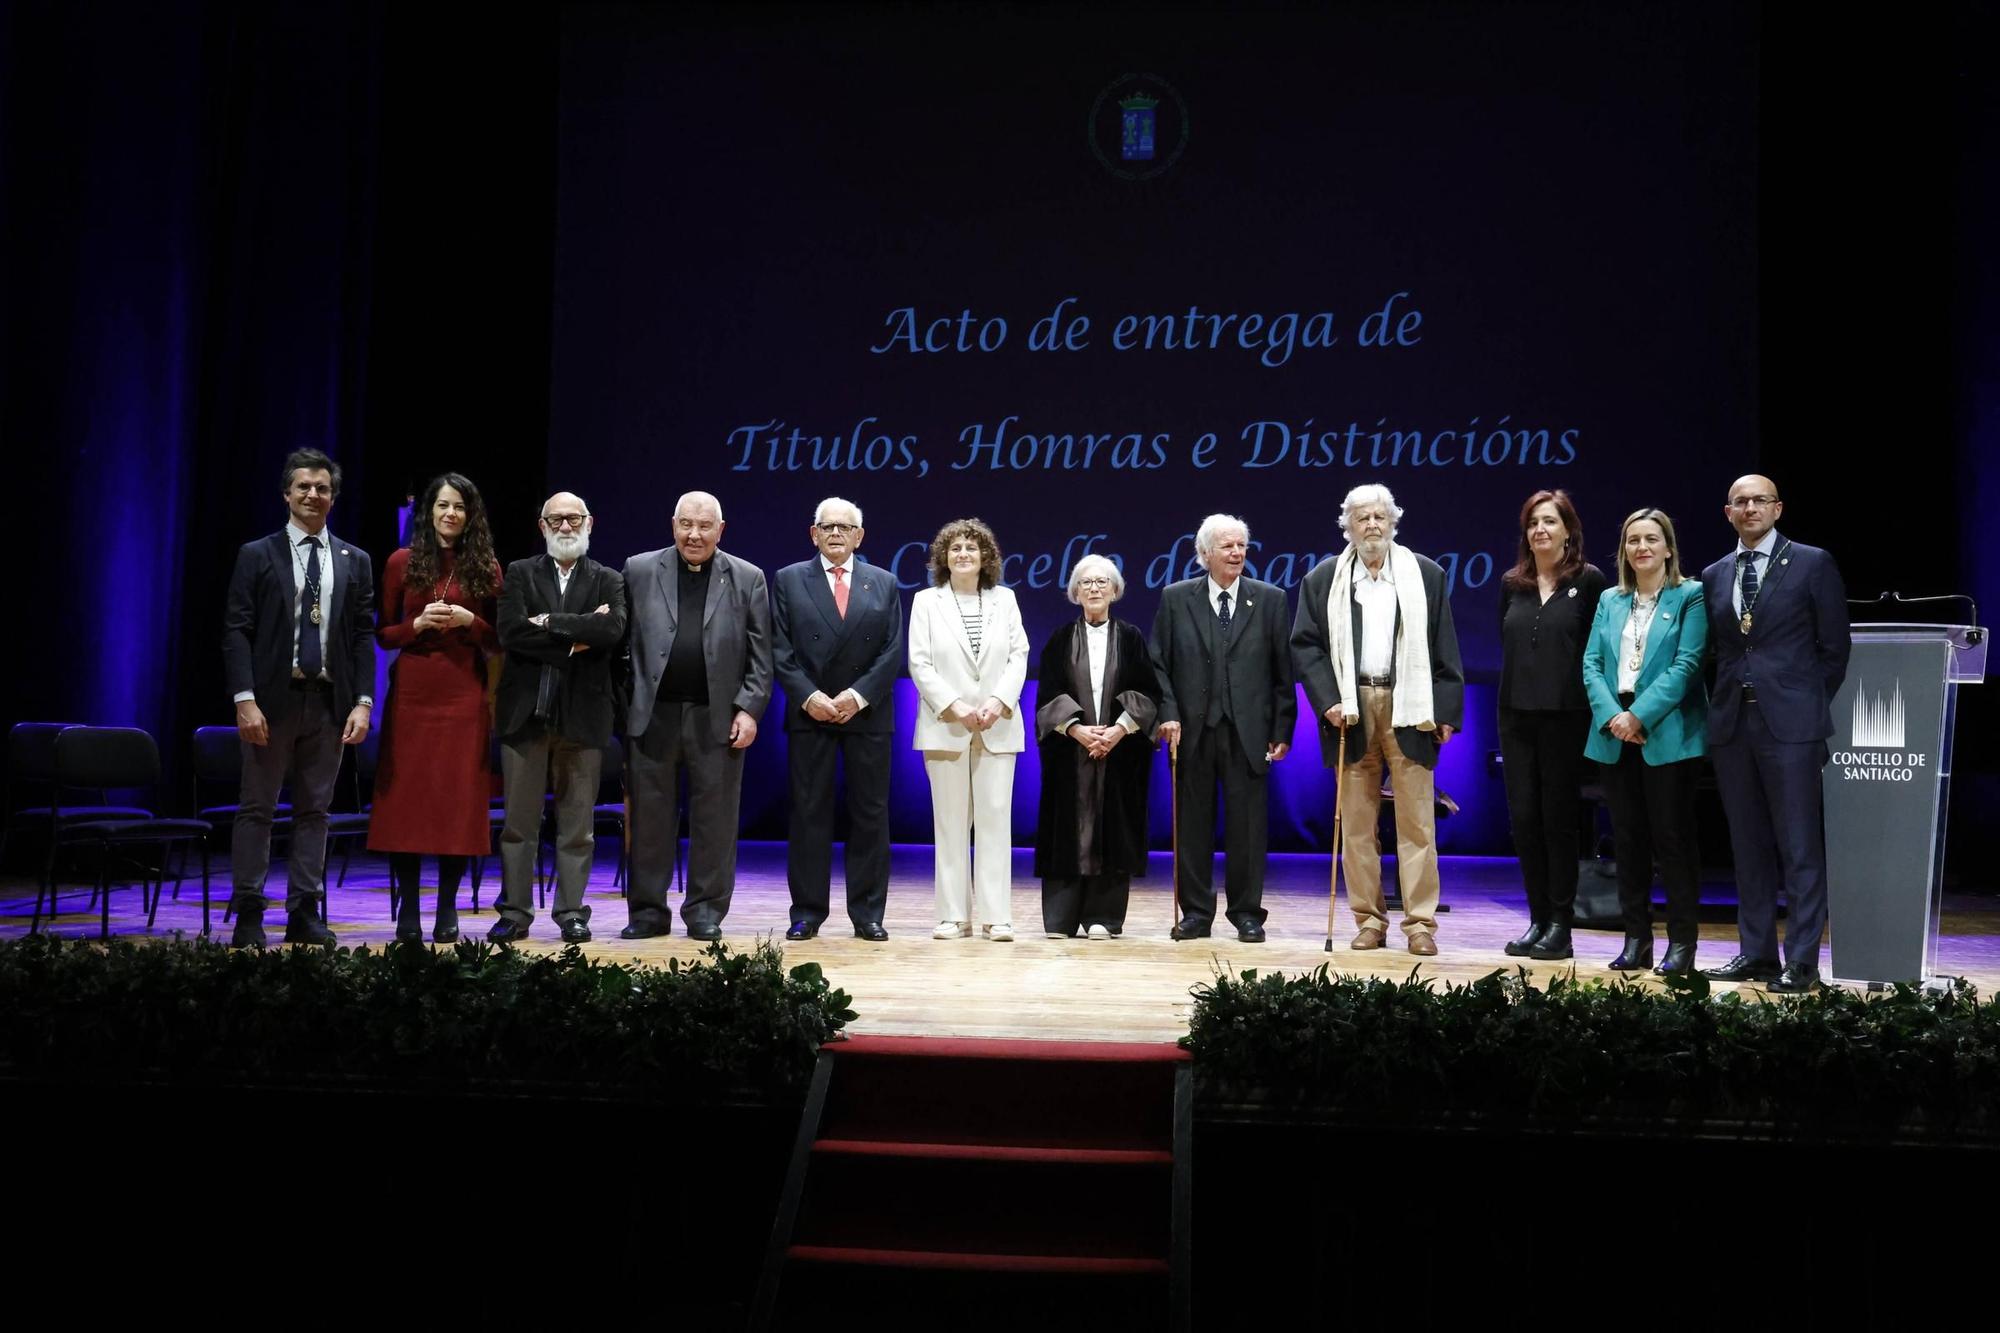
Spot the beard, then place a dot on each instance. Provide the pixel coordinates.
(567, 546)
(1372, 548)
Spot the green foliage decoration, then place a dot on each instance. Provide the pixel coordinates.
(1905, 1063)
(732, 1026)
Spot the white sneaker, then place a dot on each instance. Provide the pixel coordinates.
(952, 930)
(1057, 935)
(1099, 932)
(1000, 932)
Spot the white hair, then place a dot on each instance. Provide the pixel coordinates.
(701, 500)
(835, 502)
(1211, 530)
(583, 503)
(1096, 564)
(1372, 493)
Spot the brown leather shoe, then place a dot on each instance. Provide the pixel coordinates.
(1369, 938)
(1423, 944)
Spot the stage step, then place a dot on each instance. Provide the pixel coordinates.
(925, 1167)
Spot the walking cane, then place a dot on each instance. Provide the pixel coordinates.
(1333, 877)
(1174, 818)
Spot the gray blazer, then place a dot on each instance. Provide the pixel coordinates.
(735, 637)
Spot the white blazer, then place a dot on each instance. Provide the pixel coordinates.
(944, 670)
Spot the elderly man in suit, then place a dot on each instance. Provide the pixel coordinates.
(562, 619)
(700, 653)
(837, 639)
(1777, 616)
(1226, 688)
(298, 645)
(1378, 656)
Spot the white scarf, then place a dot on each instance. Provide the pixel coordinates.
(1412, 703)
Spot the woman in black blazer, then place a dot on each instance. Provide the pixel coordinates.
(1547, 601)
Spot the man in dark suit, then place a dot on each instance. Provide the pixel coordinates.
(562, 619)
(298, 647)
(1218, 648)
(700, 652)
(1777, 616)
(1398, 694)
(837, 636)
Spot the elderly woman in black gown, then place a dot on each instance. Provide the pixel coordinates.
(1099, 701)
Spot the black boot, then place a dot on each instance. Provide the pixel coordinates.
(1638, 955)
(405, 877)
(1679, 961)
(1520, 948)
(303, 926)
(249, 932)
(1554, 943)
(450, 870)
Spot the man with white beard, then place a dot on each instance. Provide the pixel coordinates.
(1374, 646)
(562, 618)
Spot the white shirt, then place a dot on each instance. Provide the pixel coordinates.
(1097, 647)
(563, 578)
(1377, 595)
(1628, 642)
(1763, 550)
(1215, 591)
(295, 537)
(827, 567)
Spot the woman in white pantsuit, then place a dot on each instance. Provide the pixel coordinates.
(969, 660)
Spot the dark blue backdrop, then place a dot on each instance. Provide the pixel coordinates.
(808, 258)
(1696, 233)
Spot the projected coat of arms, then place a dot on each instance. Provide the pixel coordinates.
(1138, 127)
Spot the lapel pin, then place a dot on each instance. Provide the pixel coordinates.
(1572, 592)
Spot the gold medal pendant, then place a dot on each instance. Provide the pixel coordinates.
(1744, 624)
(315, 616)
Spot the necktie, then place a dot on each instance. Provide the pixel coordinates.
(309, 654)
(1222, 611)
(1748, 559)
(840, 590)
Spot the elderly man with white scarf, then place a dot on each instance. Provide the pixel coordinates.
(1397, 694)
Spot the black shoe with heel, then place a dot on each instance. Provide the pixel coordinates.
(1638, 954)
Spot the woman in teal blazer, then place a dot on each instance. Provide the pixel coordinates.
(1648, 719)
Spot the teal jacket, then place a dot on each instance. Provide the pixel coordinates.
(1670, 699)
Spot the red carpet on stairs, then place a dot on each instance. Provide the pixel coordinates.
(989, 1177)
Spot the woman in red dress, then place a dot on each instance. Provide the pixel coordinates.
(433, 786)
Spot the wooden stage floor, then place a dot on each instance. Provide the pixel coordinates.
(1135, 988)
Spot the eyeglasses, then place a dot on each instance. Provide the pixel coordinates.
(1754, 502)
(561, 521)
(1093, 583)
(838, 529)
(322, 489)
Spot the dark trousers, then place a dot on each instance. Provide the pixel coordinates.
(528, 765)
(307, 745)
(809, 848)
(678, 735)
(1086, 901)
(1541, 758)
(1652, 815)
(1771, 793)
(1217, 755)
